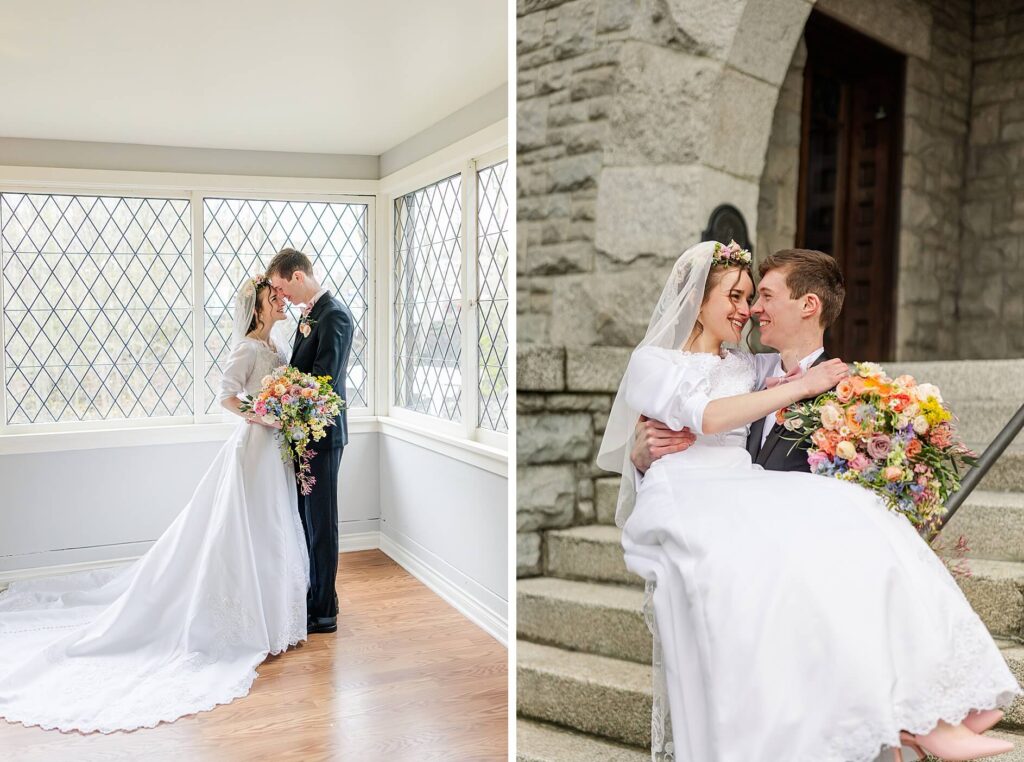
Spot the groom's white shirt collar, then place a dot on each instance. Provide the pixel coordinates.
(805, 363)
(316, 296)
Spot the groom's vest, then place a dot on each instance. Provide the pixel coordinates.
(779, 453)
(325, 352)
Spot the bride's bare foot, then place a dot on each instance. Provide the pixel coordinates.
(956, 743)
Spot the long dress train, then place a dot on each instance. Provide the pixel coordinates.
(183, 628)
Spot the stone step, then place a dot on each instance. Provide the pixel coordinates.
(591, 694)
(594, 553)
(963, 380)
(612, 698)
(539, 742)
(993, 524)
(979, 421)
(591, 552)
(583, 616)
(995, 591)
(1007, 474)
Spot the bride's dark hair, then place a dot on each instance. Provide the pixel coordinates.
(256, 322)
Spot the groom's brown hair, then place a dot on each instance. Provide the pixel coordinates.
(287, 261)
(810, 272)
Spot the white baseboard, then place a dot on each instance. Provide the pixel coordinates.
(490, 621)
(347, 543)
(359, 541)
(7, 577)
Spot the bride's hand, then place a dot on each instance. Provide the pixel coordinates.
(823, 376)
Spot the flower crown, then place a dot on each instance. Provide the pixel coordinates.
(732, 255)
(253, 284)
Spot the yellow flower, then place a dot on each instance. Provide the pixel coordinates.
(934, 412)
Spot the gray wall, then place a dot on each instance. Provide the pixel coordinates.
(482, 112)
(94, 505)
(990, 305)
(452, 515)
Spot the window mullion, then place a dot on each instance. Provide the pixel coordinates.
(3, 336)
(198, 311)
(470, 332)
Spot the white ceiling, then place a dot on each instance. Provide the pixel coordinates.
(323, 76)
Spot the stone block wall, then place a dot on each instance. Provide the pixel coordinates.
(638, 117)
(990, 308)
(776, 203)
(938, 93)
(563, 402)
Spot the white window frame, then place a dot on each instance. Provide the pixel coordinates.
(488, 436)
(198, 260)
(200, 426)
(425, 173)
(486, 450)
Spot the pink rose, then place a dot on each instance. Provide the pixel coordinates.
(861, 463)
(845, 390)
(892, 473)
(879, 446)
(816, 459)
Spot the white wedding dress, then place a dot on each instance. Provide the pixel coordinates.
(183, 628)
(795, 617)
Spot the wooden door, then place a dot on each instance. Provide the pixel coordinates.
(848, 203)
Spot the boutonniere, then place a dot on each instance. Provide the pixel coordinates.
(306, 324)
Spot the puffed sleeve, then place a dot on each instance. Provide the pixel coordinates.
(240, 364)
(673, 390)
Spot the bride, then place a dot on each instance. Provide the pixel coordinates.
(183, 628)
(795, 617)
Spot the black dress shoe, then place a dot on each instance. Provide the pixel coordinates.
(321, 624)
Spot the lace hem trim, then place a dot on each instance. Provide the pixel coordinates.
(239, 690)
(866, 747)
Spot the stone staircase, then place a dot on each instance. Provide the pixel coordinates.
(584, 651)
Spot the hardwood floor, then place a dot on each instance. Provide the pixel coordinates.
(406, 678)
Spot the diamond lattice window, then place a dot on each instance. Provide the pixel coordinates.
(492, 273)
(97, 307)
(428, 294)
(243, 235)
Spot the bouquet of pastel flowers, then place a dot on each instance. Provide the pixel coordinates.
(893, 436)
(304, 406)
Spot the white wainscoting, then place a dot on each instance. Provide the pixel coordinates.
(446, 522)
(93, 506)
(441, 518)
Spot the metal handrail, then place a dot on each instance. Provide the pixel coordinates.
(977, 473)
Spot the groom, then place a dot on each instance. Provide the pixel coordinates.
(322, 345)
(799, 295)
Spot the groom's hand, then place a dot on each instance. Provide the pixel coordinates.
(654, 439)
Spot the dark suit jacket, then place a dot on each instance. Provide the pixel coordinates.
(778, 454)
(325, 352)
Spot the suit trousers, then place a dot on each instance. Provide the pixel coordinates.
(319, 513)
